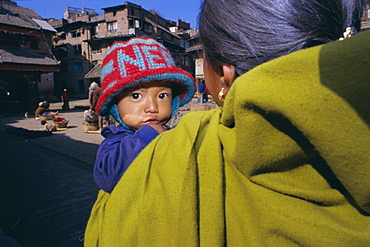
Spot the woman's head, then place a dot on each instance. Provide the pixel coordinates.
(247, 33)
(93, 85)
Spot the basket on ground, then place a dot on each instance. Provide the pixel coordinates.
(61, 122)
(86, 126)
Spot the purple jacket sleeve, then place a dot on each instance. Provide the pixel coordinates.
(115, 154)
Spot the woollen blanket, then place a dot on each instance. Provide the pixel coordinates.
(285, 162)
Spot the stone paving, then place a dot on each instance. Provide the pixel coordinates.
(45, 196)
(68, 141)
(47, 186)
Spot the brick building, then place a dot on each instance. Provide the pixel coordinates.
(84, 36)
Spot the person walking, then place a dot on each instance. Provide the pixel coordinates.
(65, 99)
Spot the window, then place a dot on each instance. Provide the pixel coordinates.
(95, 48)
(61, 36)
(133, 23)
(187, 61)
(76, 49)
(77, 67)
(112, 27)
(75, 34)
(137, 24)
(148, 28)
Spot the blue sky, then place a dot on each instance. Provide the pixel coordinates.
(186, 10)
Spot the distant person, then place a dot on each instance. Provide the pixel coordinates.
(141, 99)
(65, 99)
(43, 109)
(90, 116)
(202, 93)
(92, 87)
(95, 95)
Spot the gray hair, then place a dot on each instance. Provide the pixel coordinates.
(247, 33)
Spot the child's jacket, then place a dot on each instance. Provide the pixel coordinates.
(117, 151)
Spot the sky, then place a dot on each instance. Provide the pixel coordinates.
(186, 10)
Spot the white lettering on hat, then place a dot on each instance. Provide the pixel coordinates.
(167, 56)
(122, 58)
(152, 58)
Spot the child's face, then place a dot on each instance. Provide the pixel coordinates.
(145, 106)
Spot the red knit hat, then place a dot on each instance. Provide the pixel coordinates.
(139, 61)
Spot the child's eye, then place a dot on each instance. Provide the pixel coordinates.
(163, 96)
(136, 96)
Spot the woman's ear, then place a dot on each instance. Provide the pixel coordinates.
(228, 74)
(228, 77)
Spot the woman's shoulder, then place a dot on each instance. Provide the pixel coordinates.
(195, 117)
(194, 122)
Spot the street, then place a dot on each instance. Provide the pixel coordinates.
(47, 186)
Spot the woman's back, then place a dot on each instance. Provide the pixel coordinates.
(285, 162)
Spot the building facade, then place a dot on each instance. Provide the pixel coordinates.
(83, 37)
(26, 61)
(365, 21)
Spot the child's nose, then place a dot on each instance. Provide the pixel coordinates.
(152, 106)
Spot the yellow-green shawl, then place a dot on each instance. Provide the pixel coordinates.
(285, 162)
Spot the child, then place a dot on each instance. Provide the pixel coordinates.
(49, 127)
(142, 90)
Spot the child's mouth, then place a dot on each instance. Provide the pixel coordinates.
(153, 121)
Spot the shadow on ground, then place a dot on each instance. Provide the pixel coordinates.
(47, 187)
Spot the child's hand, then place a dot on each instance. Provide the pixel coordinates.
(159, 127)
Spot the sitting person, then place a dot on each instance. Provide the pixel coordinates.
(95, 95)
(43, 109)
(90, 117)
(90, 121)
(49, 127)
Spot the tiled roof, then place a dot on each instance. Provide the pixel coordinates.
(44, 25)
(14, 15)
(21, 56)
(194, 48)
(94, 72)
